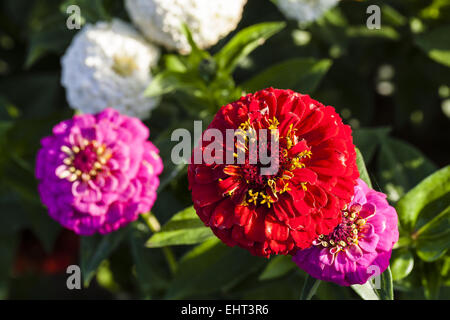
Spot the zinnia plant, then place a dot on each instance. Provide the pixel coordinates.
(360, 246)
(286, 210)
(98, 172)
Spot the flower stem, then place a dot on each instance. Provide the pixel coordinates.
(154, 225)
(309, 288)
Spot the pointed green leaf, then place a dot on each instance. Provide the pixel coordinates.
(363, 174)
(433, 239)
(402, 263)
(428, 199)
(365, 291)
(244, 42)
(278, 266)
(151, 267)
(386, 292)
(95, 249)
(184, 228)
(309, 288)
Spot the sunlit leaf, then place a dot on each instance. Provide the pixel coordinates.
(244, 42)
(363, 174)
(184, 228)
(365, 291)
(386, 292)
(435, 43)
(402, 263)
(431, 193)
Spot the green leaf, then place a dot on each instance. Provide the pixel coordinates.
(196, 55)
(392, 16)
(435, 43)
(44, 227)
(54, 40)
(402, 166)
(151, 268)
(402, 263)
(309, 288)
(169, 81)
(7, 253)
(428, 198)
(278, 266)
(95, 249)
(298, 74)
(368, 139)
(386, 292)
(244, 42)
(433, 239)
(363, 174)
(431, 280)
(365, 291)
(211, 267)
(385, 32)
(184, 228)
(175, 63)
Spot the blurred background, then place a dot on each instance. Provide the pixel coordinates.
(392, 85)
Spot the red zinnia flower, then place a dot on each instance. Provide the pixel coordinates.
(285, 211)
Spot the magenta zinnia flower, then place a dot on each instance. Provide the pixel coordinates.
(359, 245)
(98, 172)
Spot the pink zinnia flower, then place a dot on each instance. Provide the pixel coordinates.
(359, 245)
(98, 172)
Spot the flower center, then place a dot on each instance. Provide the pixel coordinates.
(265, 188)
(124, 65)
(83, 161)
(347, 233)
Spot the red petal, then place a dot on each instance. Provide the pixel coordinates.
(242, 214)
(228, 185)
(304, 175)
(300, 222)
(310, 122)
(255, 226)
(275, 230)
(285, 122)
(223, 215)
(205, 194)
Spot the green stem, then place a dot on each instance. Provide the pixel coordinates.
(309, 288)
(154, 225)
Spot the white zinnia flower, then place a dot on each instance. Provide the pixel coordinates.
(208, 20)
(305, 10)
(108, 65)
